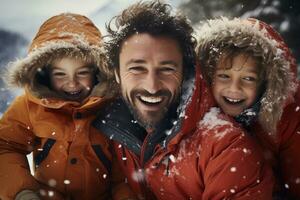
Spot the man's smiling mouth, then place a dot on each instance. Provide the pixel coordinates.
(153, 100)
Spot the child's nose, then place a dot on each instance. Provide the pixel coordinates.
(234, 86)
(72, 83)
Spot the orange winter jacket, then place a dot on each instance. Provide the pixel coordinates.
(70, 157)
(198, 155)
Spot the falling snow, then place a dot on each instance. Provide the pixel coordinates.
(52, 182)
(138, 175)
(233, 169)
(50, 193)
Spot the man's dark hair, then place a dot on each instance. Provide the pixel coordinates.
(154, 18)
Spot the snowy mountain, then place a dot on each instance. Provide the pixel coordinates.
(13, 45)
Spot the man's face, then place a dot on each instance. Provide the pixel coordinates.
(235, 88)
(150, 76)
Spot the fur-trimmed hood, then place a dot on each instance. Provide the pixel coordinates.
(64, 35)
(280, 65)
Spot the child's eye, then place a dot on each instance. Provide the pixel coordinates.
(250, 79)
(83, 73)
(223, 76)
(59, 74)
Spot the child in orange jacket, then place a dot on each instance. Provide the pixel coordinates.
(252, 75)
(65, 80)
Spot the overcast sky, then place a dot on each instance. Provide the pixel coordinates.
(25, 16)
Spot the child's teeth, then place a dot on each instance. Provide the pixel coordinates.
(73, 93)
(233, 100)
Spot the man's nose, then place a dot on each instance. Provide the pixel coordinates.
(152, 83)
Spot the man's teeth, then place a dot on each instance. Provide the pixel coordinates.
(233, 100)
(151, 99)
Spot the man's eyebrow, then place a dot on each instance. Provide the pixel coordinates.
(169, 62)
(137, 61)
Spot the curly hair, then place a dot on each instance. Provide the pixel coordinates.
(155, 18)
(210, 59)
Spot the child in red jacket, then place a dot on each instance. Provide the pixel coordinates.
(65, 81)
(252, 75)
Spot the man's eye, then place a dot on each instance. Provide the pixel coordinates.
(137, 69)
(167, 70)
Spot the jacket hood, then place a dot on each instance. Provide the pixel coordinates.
(64, 35)
(262, 39)
(196, 101)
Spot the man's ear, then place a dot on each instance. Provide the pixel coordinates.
(117, 77)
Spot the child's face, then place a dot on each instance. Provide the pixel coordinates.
(235, 88)
(72, 79)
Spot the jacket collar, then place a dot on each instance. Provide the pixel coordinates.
(57, 103)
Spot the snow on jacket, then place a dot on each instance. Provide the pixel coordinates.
(278, 126)
(71, 159)
(187, 159)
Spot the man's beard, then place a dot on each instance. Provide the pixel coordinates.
(153, 118)
(147, 123)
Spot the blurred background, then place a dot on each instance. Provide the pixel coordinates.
(20, 20)
(283, 15)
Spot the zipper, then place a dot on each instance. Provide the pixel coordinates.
(143, 149)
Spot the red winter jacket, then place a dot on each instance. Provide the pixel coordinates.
(277, 129)
(197, 156)
(282, 150)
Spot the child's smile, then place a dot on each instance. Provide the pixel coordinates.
(235, 86)
(233, 101)
(72, 79)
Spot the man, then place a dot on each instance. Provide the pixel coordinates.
(166, 144)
